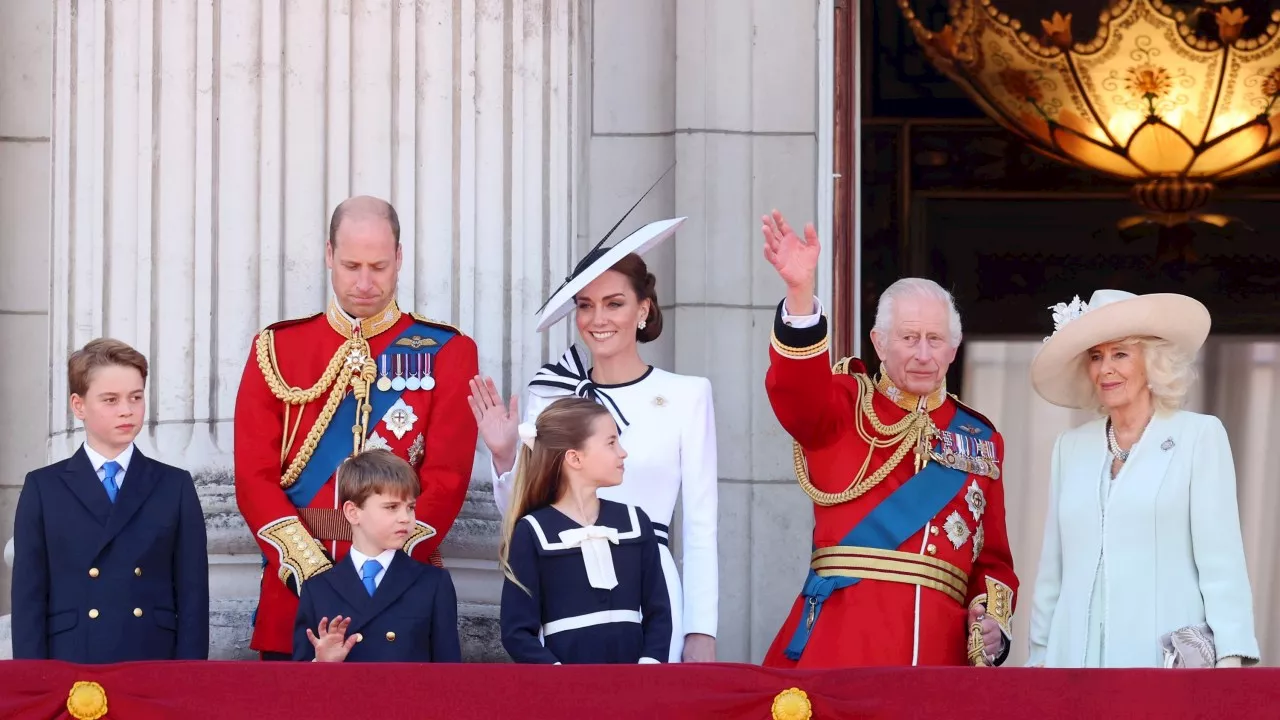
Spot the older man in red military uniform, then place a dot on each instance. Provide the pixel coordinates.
(911, 561)
(359, 376)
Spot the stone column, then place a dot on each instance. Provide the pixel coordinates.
(199, 147)
(746, 142)
(26, 98)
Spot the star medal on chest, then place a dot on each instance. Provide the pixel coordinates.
(400, 418)
(384, 377)
(417, 450)
(398, 382)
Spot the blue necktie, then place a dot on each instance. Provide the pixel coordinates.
(368, 572)
(110, 469)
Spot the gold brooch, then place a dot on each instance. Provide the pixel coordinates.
(87, 701)
(792, 704)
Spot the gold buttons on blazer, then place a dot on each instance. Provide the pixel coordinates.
(932, 549)
(137, 572)
(137, 612)
(933, 529)
(93, 572)
(93, 614)
(391, 637)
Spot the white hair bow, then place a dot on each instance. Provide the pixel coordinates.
(528, 433)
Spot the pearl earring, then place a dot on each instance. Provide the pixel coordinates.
(642, 324)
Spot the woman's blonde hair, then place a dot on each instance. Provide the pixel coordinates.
(563, 426)
(1170, 372)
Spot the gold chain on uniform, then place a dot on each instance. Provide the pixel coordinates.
(337, 376)
(915, 431)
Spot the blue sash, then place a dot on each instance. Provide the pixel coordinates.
(899, 516)
(335, 443)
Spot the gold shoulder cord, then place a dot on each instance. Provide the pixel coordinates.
(915, 431)
(352, 365)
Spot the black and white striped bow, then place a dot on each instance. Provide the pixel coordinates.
(570, 375)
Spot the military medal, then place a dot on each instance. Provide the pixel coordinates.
(384, 379)
(417, 450)
(398, 383)
(415, 368)
(428, 380)
(400, 418)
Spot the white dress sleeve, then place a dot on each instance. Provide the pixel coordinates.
(504, 484)
(1217, 546)
(1049, 579)
(699, 500)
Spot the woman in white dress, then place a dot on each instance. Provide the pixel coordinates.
(1143, 563)
(666, 420)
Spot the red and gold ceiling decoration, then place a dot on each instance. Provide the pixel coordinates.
(1148, 99)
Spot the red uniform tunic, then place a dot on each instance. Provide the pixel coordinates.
(881, 622)
(433, 429)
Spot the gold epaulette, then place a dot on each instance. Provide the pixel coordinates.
(842, 367)
(435, 323)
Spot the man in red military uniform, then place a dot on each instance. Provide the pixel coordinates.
(911, 561)
(359, 376)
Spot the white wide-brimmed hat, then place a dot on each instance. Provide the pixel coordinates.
(1057, 371)
(598, 261)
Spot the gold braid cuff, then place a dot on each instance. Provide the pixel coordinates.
(352, 365)
(301, 556)
(998, 600)
(421, 531)
(803, 353)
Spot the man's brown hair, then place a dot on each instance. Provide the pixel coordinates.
(100, 353)
(374, 472)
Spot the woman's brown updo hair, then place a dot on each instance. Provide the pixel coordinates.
(645, 286)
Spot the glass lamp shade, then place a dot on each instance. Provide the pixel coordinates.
(1147, 100)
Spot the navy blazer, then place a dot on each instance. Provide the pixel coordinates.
(97, 582)
(411, 617)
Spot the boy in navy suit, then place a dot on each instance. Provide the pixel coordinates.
(109, 559)
(395, 608)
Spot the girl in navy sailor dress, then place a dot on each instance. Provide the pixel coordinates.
(584, 581)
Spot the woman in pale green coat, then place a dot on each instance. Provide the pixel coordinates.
(1142, 539)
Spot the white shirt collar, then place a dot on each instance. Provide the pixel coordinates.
(384, 559)
(97, 459)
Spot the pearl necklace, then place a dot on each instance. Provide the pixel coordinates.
(1114, 446)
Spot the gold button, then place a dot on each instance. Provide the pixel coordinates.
(93, 572)
(137, 612)
(391, 637)
(359, 637)
(933, 529)
(137, 572)
(932, 549)
(93, 614)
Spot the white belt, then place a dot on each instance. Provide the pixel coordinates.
(604, 617)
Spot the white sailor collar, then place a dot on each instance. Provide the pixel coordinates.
(547, 523)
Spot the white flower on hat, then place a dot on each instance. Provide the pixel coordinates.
(1064, 313)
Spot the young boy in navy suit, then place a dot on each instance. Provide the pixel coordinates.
(385, 606)
(109, 560)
